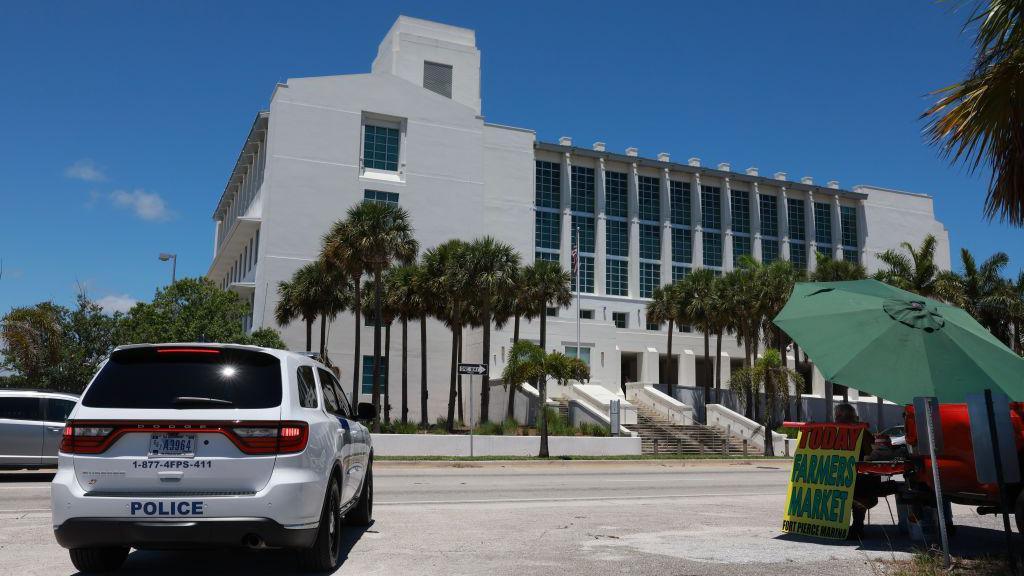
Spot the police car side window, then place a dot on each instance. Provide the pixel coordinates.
(307, 387)
(342, 397)
(330, 400)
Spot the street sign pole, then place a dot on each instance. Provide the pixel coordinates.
(472, 370)
(940, 505)
(1001, 481)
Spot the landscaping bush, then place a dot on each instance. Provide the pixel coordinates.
(593, 429)
(789, 432)
(398, 427)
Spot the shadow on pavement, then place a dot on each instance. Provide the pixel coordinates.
(226, 560)
(966, 541)
(27, 476)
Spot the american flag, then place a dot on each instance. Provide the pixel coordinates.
(575, 259)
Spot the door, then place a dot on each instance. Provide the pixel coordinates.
(360, 439)
(21, 431)
(55, 413)
(336, 406)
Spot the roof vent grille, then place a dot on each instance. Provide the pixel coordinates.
(438, 78)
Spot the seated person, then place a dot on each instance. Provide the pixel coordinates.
(869, 487)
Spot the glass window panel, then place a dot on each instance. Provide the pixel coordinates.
(679, 272)
(617, 237)
(769, 215)
(851, 255)
(650, 241)
(798, 255)
(650, 278)
(547, 256)
(585, 225)
(682, 245)
(648, 194)
(380, 147)
(795, 213)
(582, 189)
(617, 277)
(712, 249)
(740, 204)
(848, 216)
(769, 251)
(679, 196)
(586, 275)
(548, 184)
(616, 192)
(367, 374)
(621, 319)
(822, 223)
(740, 247)
(711, 207)
(548, 230)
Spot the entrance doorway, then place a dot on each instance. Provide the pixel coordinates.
(630, 368)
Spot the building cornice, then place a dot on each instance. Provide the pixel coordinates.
(255, 136)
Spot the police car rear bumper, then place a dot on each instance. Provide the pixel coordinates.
(191, 533)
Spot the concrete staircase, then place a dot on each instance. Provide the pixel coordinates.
(658, 436)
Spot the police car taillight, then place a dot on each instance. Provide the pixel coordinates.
(284, 438)
(84, 439)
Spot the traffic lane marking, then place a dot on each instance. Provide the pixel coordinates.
(576, 499)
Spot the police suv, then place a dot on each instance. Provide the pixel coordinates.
(198, 445)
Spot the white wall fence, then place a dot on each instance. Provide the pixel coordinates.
(649, 397)
(459, 445)
(743, 428)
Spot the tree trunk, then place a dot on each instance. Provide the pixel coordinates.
(423, 371)
(485, 388)
(751, 390)
(356, 358)
(718, 366)
(309, 334)
(452, 382)
(515, 330)
(780, 344)
(707, 373)
(769, 388)
(378, 290)
(405, 370)
(323, 337)
(542, 388)
(387, 373)
(671, 373)
(462, 417)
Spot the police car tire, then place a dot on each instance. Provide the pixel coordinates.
(362, 513)
(98, 559)
(320, 557)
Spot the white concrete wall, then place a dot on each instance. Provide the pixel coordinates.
(452, 445)
(891, 217)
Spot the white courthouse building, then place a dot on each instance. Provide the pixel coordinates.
(411, 131)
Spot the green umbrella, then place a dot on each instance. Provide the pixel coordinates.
(895, 344)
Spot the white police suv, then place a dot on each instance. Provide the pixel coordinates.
(199, 445)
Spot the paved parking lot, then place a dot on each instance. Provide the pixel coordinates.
(594, 518)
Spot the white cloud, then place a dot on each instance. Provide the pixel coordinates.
(116, 303)
(146, 205)
(85, 169)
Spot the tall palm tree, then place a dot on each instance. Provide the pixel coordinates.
(699, 292)
(493, 266)
(377, 235)
(664, 308)
(981, 291)
(447, 273)
(382, 314)
(340, 250)
(406, 302)
(915, 271)
(979, 120)
(831, 270)
(514, 303)
(300, 297)
(771, 374)
(427, 305)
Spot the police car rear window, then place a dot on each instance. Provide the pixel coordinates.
(187, 378)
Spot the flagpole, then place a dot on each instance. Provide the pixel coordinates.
(579, 353)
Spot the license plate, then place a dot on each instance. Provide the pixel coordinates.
(177, 445)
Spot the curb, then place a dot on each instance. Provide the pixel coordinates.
(559, 463)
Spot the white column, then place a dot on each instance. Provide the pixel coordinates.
(862, 231)
(783, 213)
(837, 229)
(812, 244)
(600, 230)
(727, 263)
(755, 222)
(634, 233)
(666, 230)
(564, 256)
(696, 224)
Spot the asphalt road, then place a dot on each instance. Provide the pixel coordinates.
(620, 518)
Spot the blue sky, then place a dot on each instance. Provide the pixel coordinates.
(123, 119)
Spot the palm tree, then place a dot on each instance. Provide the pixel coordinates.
(547, 285)
(386, 318)
(981, 291)
(664, 307)
(447, 274)
(774, 376)
(427, 305)
(406, 302)
(493, 266)
(341, 251)
(914, 273)
(699, 293)
(979, 120)
(300, 297)
(830, 270)
(376, 235)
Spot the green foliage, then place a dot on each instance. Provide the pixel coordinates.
(914, 271)
(190, 310)
(593, 429)
(508, 427)
(831, 270)
(266, 338)
(396, 426)
(789, 432)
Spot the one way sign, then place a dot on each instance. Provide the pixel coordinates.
(473, 369)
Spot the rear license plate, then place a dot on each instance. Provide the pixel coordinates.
(174, 445)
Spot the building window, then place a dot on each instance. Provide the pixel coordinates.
(617, 277)
(380, 197)
(616, 241)
(621, 319)
(769, 251)
(438, 78)
(584, 354)
(650, 278)
(848, 220)
(795, 211)
(549, 226)
(851, 255)
(585, 226)
(380, 147)
(616, 194)
(740, 204)
(798, 255)
(367, 374)
(551, 311)
(546, 256)
(648, 194)
(586, 275)
(713, 249)
(679, 201)
(711, 207)
(587, 314)
(653, 326)
(822, 223)
(679, 272)
(682, 245)
(650, 242)
(740, 247)
(548, 185)
(769, 215)
(582, 189)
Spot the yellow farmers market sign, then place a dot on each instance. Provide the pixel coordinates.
(821, 484)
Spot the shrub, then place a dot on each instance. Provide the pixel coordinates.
(593, 429)
(398, 427)
(789, 432)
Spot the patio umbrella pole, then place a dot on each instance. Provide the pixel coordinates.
(939, 504)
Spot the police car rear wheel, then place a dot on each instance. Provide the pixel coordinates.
(362, 513)
(323, 556)
(98, 559)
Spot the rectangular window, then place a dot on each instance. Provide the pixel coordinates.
(380, 197)
(798, 255)
(679, 272)
(648, 195)
(586, 275)
(712, 249)
(549, 225)
(367, 374)
(551, 311)
(616, 242)
(769, 215)
(650, 278)
(587, 314)
(740, 203)
(650, 242)
(584, 355)
(438, 78)
(617, 277)
(851, 255)
(679, 200)
(581, 189)
(682, 245)
(548, 184)
(795, 213)
(824, 251)
(306, 387)
(380, 147)
(740, 247)
(15, 408)
(585, 225)
(769, 251)
(621, 319)
(546, 256)
(616, 194)
(822, 223)
(848, 218)
(711, 207)
(653, 326)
